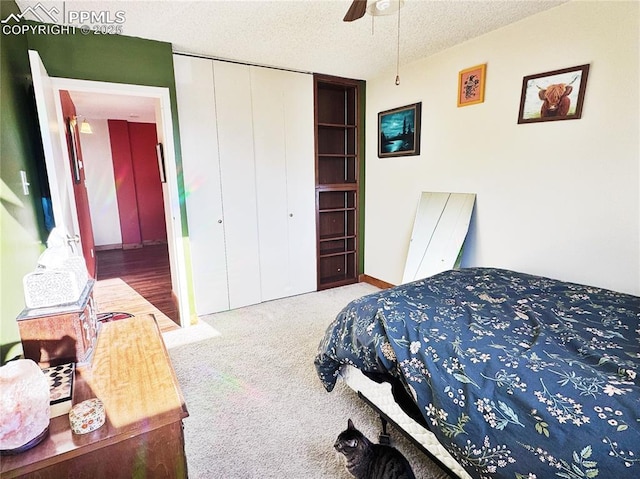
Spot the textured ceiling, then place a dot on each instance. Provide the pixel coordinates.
(114, 107)
(306, 35)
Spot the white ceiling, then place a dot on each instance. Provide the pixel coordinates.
(307, 35)
(114, 107)
(304, 35)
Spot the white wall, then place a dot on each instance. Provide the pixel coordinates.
(558, 198)
(101, 189)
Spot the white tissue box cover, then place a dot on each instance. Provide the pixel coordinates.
(50, 287)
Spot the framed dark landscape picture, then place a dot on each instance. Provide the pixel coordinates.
(399, 131)
(554, 95)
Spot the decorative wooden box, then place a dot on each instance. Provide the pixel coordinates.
(60, 334)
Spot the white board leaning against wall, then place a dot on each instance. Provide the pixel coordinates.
(440, 228)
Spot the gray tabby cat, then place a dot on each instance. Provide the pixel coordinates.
(366, 460)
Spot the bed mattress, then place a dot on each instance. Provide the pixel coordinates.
(516, 375)
(380, 395)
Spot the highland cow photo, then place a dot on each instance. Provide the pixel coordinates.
(555, 95)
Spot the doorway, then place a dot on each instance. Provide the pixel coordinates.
(47, 91)
(119, 154)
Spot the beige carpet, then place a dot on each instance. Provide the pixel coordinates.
(256, 406)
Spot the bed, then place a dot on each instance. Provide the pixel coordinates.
(513, 375)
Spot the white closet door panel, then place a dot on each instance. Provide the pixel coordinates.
(235, 140)
(271, 180)
(299, 138)
(201, 169)
(284, 149)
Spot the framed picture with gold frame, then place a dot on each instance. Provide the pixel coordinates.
(471, 85)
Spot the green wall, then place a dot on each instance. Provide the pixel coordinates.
(362, 109)
(117, 59)
(22, 231)
(108, 58)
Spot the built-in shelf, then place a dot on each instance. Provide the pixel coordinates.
(338, 136)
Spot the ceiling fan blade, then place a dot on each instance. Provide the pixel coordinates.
(356, 10)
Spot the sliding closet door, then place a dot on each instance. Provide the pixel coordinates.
(271, 185)
(301, 198)
(248, 158)
(201, 169)
(235, 141)
(283, 138)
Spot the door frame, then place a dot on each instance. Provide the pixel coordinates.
(164, 126)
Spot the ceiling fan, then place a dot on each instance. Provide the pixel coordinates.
(375, 8)
(356, 10)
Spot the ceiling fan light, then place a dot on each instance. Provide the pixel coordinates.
(384, 7)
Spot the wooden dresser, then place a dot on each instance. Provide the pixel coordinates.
(142, 437)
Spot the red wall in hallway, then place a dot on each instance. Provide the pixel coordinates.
(143, 140)
(125, 184)
(138, 186)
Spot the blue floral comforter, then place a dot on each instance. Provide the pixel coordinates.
(518, 376)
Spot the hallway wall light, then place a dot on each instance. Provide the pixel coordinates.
(85, 127)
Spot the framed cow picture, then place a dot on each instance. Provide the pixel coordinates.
(554, 95)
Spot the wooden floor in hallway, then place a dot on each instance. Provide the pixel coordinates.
(145, 271)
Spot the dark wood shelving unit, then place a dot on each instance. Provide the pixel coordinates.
(338, 139)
